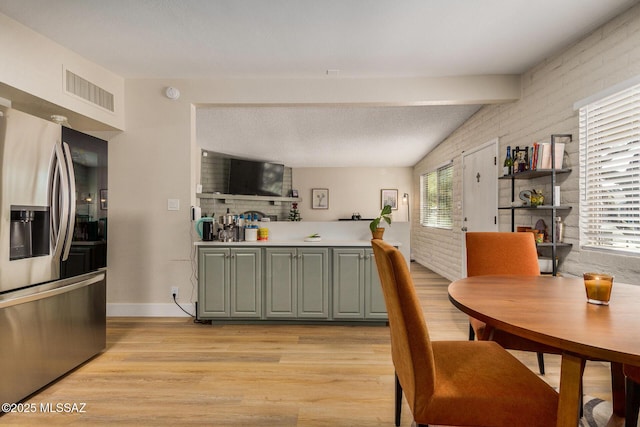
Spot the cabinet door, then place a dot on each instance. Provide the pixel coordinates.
(313, 283)
(374, 306)
(348, 284)
(246, 283)
(213, 283)
(281, 283)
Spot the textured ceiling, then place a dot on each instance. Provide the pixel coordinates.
(329, 136)
(305, 38)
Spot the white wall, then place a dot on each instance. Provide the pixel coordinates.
(35, 65)
(609, 55)
(351, 190)
(149, 246)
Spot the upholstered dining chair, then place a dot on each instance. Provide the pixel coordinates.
(632, 404)
(456, 383)
(503, 253)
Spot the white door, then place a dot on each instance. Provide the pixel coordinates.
(479, 192)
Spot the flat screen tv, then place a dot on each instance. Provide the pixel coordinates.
(250, 177)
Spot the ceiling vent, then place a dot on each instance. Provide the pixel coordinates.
(88, 91)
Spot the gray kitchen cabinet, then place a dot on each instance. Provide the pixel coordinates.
(374, 306)
(357, 293)
(281, 283)
(348, 283)
(313, 283)
(289, 283)
(230, 283)
(297, 283)
(213, 278)
(246, 282)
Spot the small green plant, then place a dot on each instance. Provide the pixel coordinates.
(385, 214)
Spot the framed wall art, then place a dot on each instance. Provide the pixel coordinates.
(389, 197)
(320, 198)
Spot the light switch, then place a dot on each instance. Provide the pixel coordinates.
(173, 204)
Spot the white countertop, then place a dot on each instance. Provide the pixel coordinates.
(289, 243)
(336, 234)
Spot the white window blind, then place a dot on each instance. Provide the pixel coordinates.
(610, 172)
(436, 197)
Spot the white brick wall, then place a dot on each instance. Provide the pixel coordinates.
(608, 55)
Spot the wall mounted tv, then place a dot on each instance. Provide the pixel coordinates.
(250, 177)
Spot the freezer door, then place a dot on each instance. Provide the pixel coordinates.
(48, 330)
(27, 147)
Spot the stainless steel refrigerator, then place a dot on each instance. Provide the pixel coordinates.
(52, 317)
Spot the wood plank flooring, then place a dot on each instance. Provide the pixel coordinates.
(171, 371)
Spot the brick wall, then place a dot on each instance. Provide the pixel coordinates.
(215, 178)
(608, 55)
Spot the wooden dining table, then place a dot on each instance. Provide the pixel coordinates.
(554, 311)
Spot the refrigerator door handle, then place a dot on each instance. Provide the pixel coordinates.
(59, 203)
(54, 197)
(71, 206)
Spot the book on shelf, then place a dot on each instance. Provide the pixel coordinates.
(542, 155)
(534, 158)
(530, 158)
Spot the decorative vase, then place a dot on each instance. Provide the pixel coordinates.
(378, 233)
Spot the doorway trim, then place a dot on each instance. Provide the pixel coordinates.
(495, 143)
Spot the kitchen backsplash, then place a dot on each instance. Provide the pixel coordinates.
(215, 178)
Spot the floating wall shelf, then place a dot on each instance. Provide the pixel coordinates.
(224, 197)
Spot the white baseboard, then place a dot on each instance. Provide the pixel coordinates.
(149, 310)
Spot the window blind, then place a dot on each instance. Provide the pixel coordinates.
(610, 172)
(436, 197)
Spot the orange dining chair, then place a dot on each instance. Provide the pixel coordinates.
(632, 404)
(503, 253)
(460, 383)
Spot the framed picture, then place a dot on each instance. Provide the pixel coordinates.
(294, 193)
(389, 197)
(103, 199)
(319, 198)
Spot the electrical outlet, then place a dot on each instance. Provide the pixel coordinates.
(174, 291)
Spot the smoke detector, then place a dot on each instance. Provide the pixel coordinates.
(172, 93)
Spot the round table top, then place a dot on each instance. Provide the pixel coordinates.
(554, 311)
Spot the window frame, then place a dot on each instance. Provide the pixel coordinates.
(609, 182)
(440, 214)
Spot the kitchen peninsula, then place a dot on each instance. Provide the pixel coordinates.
(287, 279)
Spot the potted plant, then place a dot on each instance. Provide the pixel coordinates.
(376, 230)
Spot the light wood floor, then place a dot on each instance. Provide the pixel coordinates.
(174, 372)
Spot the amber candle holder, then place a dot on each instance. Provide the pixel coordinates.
(598, 287)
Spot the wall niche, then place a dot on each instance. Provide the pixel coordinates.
(214, 177)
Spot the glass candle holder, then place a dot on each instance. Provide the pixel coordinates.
(598, 287)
